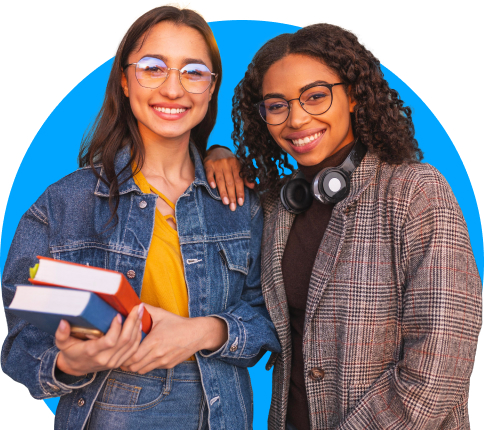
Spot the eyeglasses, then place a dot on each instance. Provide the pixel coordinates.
(152, 72)
(316, 100)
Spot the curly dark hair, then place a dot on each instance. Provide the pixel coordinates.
(380, 119)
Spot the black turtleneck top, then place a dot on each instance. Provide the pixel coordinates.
(297, 264)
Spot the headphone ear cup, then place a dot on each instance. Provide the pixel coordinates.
(331, 185)
(296, 196)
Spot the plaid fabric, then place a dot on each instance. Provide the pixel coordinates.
(394, 305)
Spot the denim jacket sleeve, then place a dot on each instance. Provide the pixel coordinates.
(29, 355)
(250, 331)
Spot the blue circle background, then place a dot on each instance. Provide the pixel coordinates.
(53, 152)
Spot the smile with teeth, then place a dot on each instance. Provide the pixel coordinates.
(307, 139)
(168, 110)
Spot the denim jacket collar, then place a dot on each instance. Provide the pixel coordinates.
(122, 159)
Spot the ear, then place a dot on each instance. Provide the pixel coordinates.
(351, 102)
(124, 84)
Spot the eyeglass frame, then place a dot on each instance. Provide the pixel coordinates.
(330, 86)
(168, 74)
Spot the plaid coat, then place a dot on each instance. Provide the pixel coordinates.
(393, 310)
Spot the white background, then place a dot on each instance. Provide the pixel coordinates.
(436, 48)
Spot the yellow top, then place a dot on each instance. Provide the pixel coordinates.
(164, 283)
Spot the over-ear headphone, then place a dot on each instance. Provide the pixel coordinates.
(330, 185)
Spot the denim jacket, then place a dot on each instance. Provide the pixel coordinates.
(221, 258)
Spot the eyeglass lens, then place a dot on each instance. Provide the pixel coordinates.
(315, 100)
(152, 72)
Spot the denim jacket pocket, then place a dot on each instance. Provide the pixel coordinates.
(129, 392)
(235, 267)
(83, 252)
(235, 254)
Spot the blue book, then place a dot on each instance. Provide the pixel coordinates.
(44, 307)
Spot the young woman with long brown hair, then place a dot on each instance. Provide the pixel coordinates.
(141, 205)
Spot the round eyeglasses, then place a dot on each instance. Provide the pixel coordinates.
(152, 72)
(315, 100)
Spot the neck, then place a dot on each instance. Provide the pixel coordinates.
(333, 160)
(167, 158)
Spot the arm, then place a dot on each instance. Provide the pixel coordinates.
(51, 367)
(440, 325)
(29, 355)
(240, 335)
(222, 169)
(250, 330)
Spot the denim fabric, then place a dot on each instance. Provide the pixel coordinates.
(221, 257)
(162, 399)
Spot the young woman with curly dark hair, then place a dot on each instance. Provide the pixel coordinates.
(369, 276)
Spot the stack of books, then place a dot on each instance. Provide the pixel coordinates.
(87, 297)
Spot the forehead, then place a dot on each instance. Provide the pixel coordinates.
(288, 75)
(175, 43)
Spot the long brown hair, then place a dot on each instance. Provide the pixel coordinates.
(380, 121)
(116, 126)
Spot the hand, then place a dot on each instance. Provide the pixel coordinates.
(173, 339)
(222, 169)
(78, 357)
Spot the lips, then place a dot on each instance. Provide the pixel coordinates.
(170, 112)
(306, 140)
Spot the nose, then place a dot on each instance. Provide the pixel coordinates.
(172, 87)
(297, 115)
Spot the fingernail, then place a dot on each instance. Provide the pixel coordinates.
(141, 310)
(140, 326)
(62, 325)
(119, 318)
(226, 200)
(232, 207)
(241, 201)
(212, 184)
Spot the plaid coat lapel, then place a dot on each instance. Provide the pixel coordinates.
(330, 247)
(277, 225)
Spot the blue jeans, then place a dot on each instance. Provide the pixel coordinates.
(161, 399)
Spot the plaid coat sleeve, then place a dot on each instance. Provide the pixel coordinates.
(441, 301)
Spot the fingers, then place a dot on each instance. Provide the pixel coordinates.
(239, 185)
(230, 186)
(110, 339)
(123, 361)
(210, 173)
(220, 181)
(126, 340)
(63, 337)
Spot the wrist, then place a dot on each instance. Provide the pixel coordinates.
(215, 333)
(62, 366)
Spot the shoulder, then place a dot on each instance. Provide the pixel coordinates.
(75, 187)
(416, 188)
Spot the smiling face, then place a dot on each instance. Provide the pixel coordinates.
(308, 138)
(168, 112)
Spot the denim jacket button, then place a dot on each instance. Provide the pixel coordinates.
(143, 204)
(81, 402)
(130, 274)
(233, 348)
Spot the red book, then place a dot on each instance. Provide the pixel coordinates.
(111, 286)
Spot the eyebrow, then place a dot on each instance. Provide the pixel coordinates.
(185, 61)
(301, 90)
